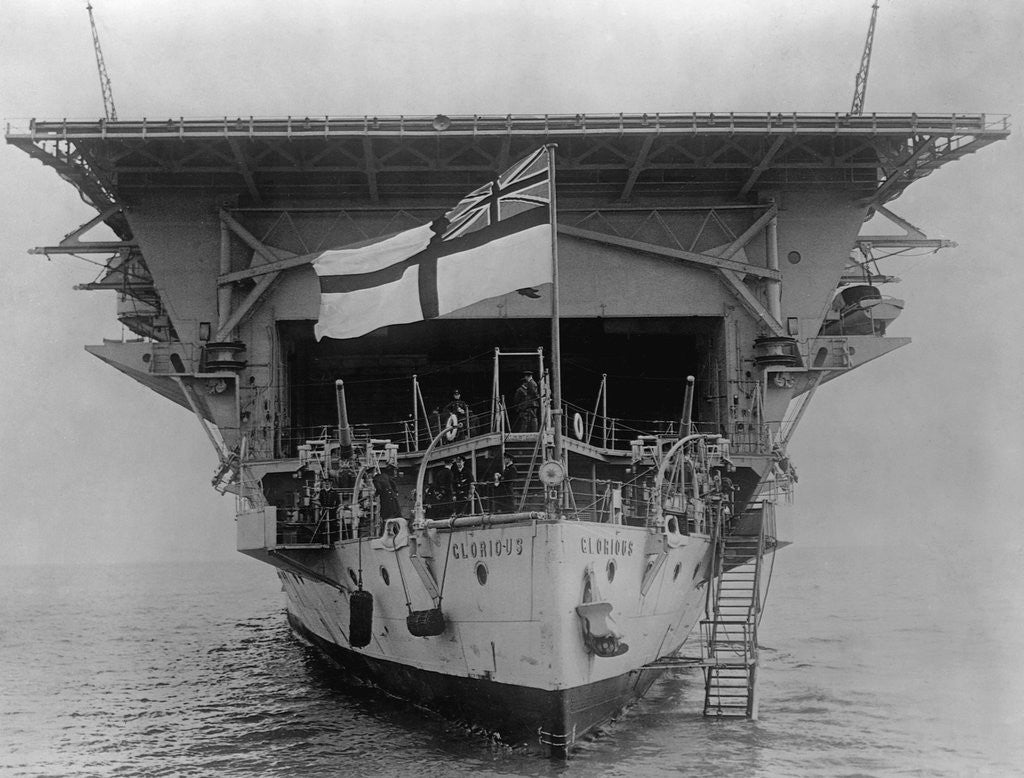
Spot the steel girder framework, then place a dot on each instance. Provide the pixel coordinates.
(398, 162)
(705, 236)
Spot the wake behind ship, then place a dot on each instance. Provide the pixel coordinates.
(506, 400)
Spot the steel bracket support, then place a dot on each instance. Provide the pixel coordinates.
(244, 169)
(370, 169)
(298, 260)
(735, 284)
(913, 237)
(72, 243)
(751, 303)
(748, 234)
(707, 260)
(894, 177)
(761, 167)
(262, 255)
(222, 451)
(638, 166)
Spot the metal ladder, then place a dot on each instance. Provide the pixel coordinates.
(730, 633)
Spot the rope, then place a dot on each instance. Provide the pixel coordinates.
(359, 541)
(444, 573)
(401, 576)
(356, 528)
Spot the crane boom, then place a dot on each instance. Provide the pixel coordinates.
(861, 86)
(108, 95)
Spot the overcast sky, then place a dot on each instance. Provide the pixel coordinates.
(926, 442)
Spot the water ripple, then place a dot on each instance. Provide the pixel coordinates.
(191, 670)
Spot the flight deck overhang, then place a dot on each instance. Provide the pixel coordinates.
(403, 161)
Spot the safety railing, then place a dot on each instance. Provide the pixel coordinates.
(727, 640)
(604, 432)
(617, 433)
(483, 497)
(749, 438)
(310, 525)
(326, 126)
(498, 414)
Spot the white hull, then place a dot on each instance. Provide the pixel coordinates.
(519, 628)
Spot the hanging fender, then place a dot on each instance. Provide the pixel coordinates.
(360, 620)
(426, 623)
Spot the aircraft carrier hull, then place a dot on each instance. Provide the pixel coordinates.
(518, 714)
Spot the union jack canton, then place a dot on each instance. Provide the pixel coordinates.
(525, 185)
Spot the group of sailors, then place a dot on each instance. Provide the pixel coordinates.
(317, 503)
(453, 492)
(456, 416)
(320, 501)
(324, 502)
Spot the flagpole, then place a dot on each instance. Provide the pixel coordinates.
(556, 346)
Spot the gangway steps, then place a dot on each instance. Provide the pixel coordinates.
(730, 664)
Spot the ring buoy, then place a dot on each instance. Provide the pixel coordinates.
(451, 428)
(577, 426)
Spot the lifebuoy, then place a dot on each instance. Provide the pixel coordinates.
(451, 428)
(577, 426)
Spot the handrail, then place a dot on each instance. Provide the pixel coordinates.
(752, 439)
(537, 446)
(418, 513)
(484, 520)
(659, 479)
(715, 570)
(476, 125)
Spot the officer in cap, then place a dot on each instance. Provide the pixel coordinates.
(526, 402)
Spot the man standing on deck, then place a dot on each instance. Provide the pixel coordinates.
(462, 485)
(387, 491)
(525, 401)
(503, 481)
(458, 408)
(442, 489)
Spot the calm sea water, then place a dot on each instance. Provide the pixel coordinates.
(876, 662)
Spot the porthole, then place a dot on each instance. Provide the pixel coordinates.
(352, 575)
(611, 570)
(794, 257)
(385, 576)
(675, 573)
(481, 573)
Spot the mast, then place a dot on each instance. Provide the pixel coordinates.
(108, 95)
(556, 346)
(861, 86)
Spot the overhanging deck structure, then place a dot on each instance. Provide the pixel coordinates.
(397, 161)
(216, 221)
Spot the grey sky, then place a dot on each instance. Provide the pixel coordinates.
(925, 442)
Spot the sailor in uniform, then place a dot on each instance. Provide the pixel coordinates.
(525, 401)
(457, 408)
